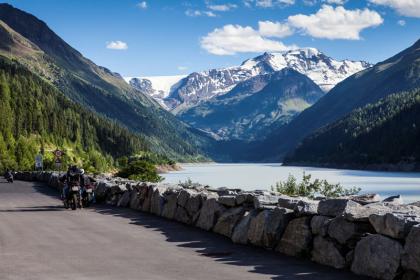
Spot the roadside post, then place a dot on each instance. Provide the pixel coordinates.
(57, 155)
(39, 165)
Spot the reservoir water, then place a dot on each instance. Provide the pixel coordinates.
(263, 176)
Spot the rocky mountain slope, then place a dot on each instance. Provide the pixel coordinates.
(255, 106)
(396, 74)
(33, 44)
(197, 87)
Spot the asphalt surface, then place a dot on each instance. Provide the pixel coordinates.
(41, 240)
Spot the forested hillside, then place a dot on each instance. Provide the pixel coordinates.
(386, 133)
(34, 115)
(31, 42)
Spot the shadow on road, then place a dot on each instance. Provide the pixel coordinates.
(34, 209)
(221, 249)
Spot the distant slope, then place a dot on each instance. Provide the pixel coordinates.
(398, 73)
(255, 106)
(34, 114)
(34, 45)
(383, 135)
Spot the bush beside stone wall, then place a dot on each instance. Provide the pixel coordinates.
(370, 237)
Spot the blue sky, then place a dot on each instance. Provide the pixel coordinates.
(170, 37)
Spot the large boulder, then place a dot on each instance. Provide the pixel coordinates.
(245, 198)
(325, 252)
(169, 209)
(240, 233)
(194, 203)
(319, 225)
(395, 225)
(184, 195)
(227, 200)
(228, 220)
(297, 238)
(134, 199)
(411, 258)
(301, 205)
(395, 199)
(275, 225)
(335, 207)
(377, 256)
(146, 192)
(256, 228)
(359, 213)
(209, 213)
(342, 230)
(365, 199)
(157, 200)
(181, 215)
(124, 199)
(265, 199)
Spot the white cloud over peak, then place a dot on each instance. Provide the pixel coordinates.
(336, 2)
(223, 7)
(232, 39)
(336, 22)
(198, 13)
(274, 29)
(409, 8)
(142, 5)
(116, 45)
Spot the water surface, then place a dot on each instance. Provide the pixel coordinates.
(263, 176)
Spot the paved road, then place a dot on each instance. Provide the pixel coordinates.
(41, 240)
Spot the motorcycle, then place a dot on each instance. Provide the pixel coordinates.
(88, 196)
(73, 198)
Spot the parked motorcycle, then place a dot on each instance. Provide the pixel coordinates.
(10, 179)
(88, 196)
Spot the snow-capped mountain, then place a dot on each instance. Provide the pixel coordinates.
(280, 97)
(158, 87)
(197, 87)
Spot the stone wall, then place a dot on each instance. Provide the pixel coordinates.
(369, 236)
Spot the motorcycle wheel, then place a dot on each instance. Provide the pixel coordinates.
(74, 202)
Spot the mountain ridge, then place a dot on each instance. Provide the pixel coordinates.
(201, 86)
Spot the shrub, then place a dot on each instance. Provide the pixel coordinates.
(140, 170)
(311, 189)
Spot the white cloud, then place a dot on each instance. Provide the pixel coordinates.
(116, 45)
(274, 29)
(232, 39)
(142, 5)
(273, 3)
(182, 68)
(198, 13)
(336, 2)
(409, 8)
(223, 7)
(336, 23)
(401, 22)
